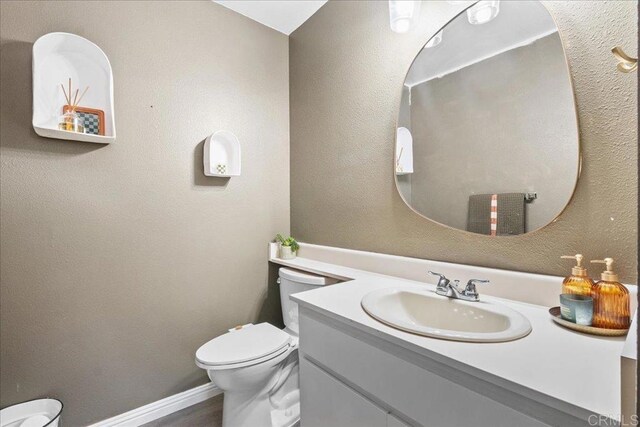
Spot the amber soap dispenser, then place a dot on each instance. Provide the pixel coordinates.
(579, 283)
(610, 300)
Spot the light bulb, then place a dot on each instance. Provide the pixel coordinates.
(483, 12)
(402, 14)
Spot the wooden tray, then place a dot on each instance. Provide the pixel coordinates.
(555, 315)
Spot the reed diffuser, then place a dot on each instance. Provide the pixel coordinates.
(70, 120)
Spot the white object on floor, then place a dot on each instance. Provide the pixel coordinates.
(58, 57)
(257, 366)
(161, 408)
(34, 413)
(222, 148)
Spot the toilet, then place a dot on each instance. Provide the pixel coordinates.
(256, 366)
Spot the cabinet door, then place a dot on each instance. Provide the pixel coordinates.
(326, 402)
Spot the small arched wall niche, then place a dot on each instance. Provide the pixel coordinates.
(58, 57)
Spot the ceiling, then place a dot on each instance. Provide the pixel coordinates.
(518, 23)
(281, 15)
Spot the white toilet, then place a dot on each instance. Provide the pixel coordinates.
(257, 365)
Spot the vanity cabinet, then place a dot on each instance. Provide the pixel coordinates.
(326, 401)
(352, 378)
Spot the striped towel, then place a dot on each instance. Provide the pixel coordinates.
(496, 214)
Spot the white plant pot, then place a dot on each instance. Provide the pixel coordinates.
(287, 253)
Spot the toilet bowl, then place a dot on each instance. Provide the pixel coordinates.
(256, 366)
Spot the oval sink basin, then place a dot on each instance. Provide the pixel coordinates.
(426, 313)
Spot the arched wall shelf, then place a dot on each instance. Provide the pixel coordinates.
(58, 57)
(222, 155)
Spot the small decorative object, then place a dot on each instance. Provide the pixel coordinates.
(288, 247)
(591, 330)
(577, 308)
(221, 154)
(70, 120)
(93, 119)
(398, 164)
(611, 308)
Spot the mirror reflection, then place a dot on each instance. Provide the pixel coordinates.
(487, 137)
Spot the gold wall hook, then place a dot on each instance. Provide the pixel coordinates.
(626, 63)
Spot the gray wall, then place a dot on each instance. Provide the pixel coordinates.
(118, 261)
(347, 70)
(503, 125)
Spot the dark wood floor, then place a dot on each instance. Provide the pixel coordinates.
(207, 413)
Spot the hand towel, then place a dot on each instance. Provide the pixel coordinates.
(507, 221)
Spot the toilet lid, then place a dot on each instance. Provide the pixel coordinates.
(243, 345)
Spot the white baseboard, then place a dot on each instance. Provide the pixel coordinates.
(158, 409)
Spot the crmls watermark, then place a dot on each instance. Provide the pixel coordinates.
(612, 420)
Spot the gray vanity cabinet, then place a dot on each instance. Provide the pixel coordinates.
(349, 378)
(329, 402)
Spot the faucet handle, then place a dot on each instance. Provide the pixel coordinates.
(443, 281)
(470, 289)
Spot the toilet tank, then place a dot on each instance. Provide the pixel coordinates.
(292, 282)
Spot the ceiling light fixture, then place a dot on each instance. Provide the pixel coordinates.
(402, 13)
(483, 12)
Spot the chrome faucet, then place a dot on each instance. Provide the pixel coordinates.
(451, 290)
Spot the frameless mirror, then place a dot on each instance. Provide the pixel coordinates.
(487, 137)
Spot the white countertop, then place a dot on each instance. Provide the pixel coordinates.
(570, 369)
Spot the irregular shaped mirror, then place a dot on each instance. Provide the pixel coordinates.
(487, 137)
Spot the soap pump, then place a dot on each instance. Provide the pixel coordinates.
(610, 300)
(579, 283)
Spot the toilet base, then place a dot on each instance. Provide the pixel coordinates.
(275, 404)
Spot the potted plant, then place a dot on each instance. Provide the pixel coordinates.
(288, 247)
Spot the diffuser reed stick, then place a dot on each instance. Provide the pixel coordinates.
(80, 99)
(70, 121)
(67, 96)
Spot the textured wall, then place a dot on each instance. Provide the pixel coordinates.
(346, 73)
(118, 261)
(519, 134)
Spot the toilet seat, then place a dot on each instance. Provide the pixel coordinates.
(250, 345)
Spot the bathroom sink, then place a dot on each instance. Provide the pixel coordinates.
(423, 312)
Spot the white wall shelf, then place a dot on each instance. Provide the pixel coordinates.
(58, 57)
(221, 155)
(404, 152)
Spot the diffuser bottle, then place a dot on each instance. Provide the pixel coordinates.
(610, 300)
(579, 283)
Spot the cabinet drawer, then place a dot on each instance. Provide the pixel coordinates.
(393, 421)
(325, 401)
(406, 388)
